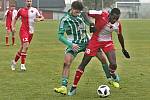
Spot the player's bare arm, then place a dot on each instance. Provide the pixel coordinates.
(14, 25)
(124, 51)
(38, 19)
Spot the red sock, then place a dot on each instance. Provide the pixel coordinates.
(6, 39)
(23, 57)
(77, 77)
(13, 40)
(17, 56)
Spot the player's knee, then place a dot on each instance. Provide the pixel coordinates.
(67, 64)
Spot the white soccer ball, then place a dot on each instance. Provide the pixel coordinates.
(103, 91)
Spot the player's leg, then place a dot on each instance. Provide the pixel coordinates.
(86, 59)
(112, 67)
(13, 38)
(26, 40)
(65, 74)
(7, 37)
(17, 57)
(101, 56)
(109, 50)
(90, 51)
(25, 46)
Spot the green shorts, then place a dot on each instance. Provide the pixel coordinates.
(81, 49)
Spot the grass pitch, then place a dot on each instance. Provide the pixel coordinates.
(45, 60)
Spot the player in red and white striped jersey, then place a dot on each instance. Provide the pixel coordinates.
(9, 15)
(105, 23)
(29, 15)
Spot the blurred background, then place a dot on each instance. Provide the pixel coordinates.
(54, 9)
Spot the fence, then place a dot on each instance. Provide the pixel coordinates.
(134, 10)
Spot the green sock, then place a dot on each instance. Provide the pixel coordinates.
(64, 81)
(106, 70)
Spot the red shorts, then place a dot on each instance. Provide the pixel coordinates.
(94, 46)
(25, 37)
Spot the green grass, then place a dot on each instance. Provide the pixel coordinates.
(45, 60)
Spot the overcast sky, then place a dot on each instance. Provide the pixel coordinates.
(70, 1)
(145, 0)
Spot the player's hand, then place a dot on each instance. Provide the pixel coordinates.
(36, 19)
(92, 28)
(13, 29)
(75, 47)
(126, 54)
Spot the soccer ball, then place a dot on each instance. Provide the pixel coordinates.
(103, 91)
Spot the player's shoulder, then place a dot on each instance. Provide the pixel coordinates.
(33, 8)
(105, 13)
(117, 23)
(98, 12)
(21, 9)
(65, 17)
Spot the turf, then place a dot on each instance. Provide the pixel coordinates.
(45, 60)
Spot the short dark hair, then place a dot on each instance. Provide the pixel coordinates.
(77, 5)
(115, 11)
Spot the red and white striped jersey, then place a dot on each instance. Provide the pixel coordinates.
(103, 26)
(27, 18)
(10, 15)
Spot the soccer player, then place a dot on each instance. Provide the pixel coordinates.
(29, 15)
(9, 15)
(105, 23)
(74, 25)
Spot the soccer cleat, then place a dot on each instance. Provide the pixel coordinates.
(14, 44)
(113, 83)
(13, 65)
(117, 79)
(72, 91)
(22, 67)
(61, 90)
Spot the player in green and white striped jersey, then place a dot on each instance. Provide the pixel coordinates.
(75, 28)
(74, 25)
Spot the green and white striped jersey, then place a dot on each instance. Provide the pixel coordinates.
(75, 29)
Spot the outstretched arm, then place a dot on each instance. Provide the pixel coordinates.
(88, 22)
(121, 40)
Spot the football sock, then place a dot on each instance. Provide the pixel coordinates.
(106, 70)
(6, 39)
(112, 70)
(77, 77)
(13, 40)
(23, 57)
(72, 88)
(64, 81)
(17, 56)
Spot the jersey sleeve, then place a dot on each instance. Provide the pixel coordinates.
(85, 18)
(62, 29)
(6, 13)
(94, 13)
(18, 14)
(38, 14)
